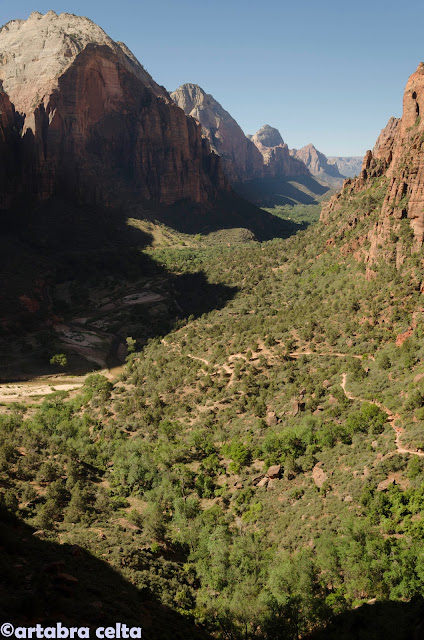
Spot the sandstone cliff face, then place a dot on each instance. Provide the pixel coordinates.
(36, 52)
(268, 137)
(95, 126)
(398, 159)
(241, 159)
(276, 154)
(316, 161)
(383, 148)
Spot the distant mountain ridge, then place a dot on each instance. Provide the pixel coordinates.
(276, 154)
(349, 166)
(239, 152)
(244, 158)
(318, 165)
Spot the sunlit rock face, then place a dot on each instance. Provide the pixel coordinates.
(276, 154)
(397, 157)
(94, 126)
(241, 159)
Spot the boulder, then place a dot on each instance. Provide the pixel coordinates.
(385, 484)
(319, 476)
(271, 419)
(274, 471)
(263, 482)
(67, 578)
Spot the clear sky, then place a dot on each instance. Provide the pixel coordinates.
(321, 71)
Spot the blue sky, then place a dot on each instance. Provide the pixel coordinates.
(326, 72)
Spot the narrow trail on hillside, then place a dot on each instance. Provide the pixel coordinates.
(298, 354)
(190, 355)
(391, 417)
(223, 367)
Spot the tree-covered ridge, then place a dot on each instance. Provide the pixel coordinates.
(314, 367)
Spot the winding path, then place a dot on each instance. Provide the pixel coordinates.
(391, 417)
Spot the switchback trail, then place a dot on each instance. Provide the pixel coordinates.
(391, 417)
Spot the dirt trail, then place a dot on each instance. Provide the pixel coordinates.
(190, 355)
(391, 417)
(298, 354)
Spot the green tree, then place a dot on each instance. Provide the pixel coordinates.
(59, 359)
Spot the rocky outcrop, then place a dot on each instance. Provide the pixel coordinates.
(241, 159)
(95, 127)
(405, 195)
(398, 157)
(348, 166)
(276, 155)
(383, 148)
(318, 164)
(268, 137)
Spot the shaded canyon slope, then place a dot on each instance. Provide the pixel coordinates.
(396, 168)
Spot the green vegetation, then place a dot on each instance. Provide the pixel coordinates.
(59, 359)
(303, 214)
(163, 474)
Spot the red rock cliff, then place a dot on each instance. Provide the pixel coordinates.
(241, 159)
(398, 157)
(95, 126)
(9, 147)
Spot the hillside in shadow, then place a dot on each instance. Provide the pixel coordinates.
(272, 192)
(387, 620)
(232, 211)
(63, 263)
(46, 582)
